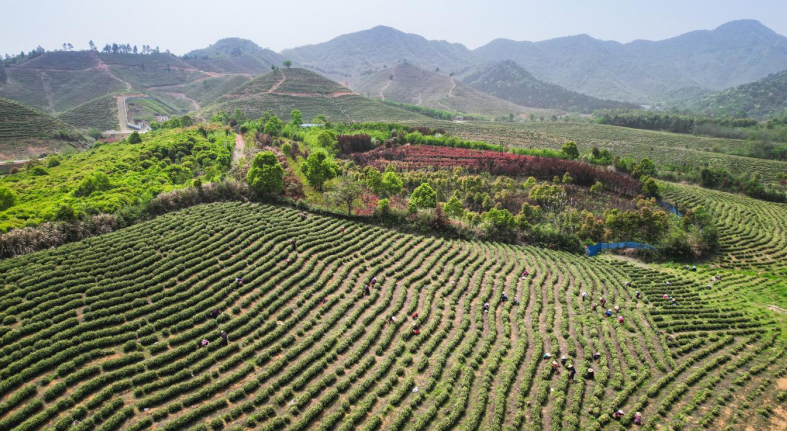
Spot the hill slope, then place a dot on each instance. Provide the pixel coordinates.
(234, 55)
(732, 54)
(766, 97)
(379, 48)
(507, 80)
(304, 332)
(410, 84)
(287, 89)
(26, 132)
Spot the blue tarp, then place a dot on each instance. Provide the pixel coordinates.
(670, 208)
(598, 248)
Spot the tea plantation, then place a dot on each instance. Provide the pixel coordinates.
(119, 331)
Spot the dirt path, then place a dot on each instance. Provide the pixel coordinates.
(122, 111)
(240, 147)
(776, 309)
(382, 90)
(281, 81)
(453, 85)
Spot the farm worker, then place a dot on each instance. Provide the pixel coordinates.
(392, 319)
(617, 308)
(555, 367)
(504, 297)
(415, 315)
(637, 418)
(665, 296)
(596, 356)
(603, 301)
(618, 414)
(590, 375)
(366, 290)
(608, 313)
(594, 306)
(214, 313)
(374, 281)
(638, 294)
(416, 329)
(342, 229)
(571, 372)
(584, 295)
(204, 343)
(563, 360)
(667, 283)
(293, 244)
(486, 307)
(287, 261)
(694, 268)
(525, 273)
(239, 281)
(707, 287)
(620, 319)
(303, 216)
(224, 337)
(516, 301)
(628, 284)
(547, 355)
(324, 301)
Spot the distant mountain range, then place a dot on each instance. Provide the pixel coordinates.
(407, 83)
(641, 71)
(763, 98)
(382, 47)
(509, 81)
(234, 55)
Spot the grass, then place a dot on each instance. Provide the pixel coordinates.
(162, 162)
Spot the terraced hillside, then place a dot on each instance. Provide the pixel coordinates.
(287, 89)
(26, 132)
(672, 150)
(410, 84)
(753, 233)
(105, 333)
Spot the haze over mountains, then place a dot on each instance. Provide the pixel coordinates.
(570, 74)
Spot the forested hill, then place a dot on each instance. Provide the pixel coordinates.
(759, 99)
(234, 55)
(509, 81)
(732, 54)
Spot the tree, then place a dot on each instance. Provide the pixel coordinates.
(424, 196)
(7, 198)
(266, 174)
(134, 138)
(186, 121)
(650, 188)
(644, 167)
(327, 140)
(92, 45)
(390, 184)
(347, 192)
(454, 207)
(296, 118)
(287, 63)
(501, 221)
(273, 126)
(374, 179)
(319, 168)
(570, 150)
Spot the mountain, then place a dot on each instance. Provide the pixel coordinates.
(763, 98)
(313, 94)
(26, 132)
(234, 55)
(507, 80)
(641, 71)
(407, 83)
(381, 47)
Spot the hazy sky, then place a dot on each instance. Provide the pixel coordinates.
(184, 25)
